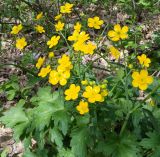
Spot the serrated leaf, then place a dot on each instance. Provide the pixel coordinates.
(48, 103)
(28, 153)
(61, 120)
(16, 118)
(11, 94)
(118, 146)
(65, 153)
(79, 141)
(56, 137)
(152, 142)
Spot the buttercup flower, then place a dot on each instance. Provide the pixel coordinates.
(77, 27)
(39, 16)
(79, 37)
(103, 93)
(141, 80)
(44, 71)
(103, 86)
(130, 66)
(88, 48)
(67, 8)
(16, 29)
(60, 77)
(83, 107)
(92, 82)
(59, 26)
(144, 60)
(64, 63)
(40, 62)
(51, 54)
(118, 33)
(114, 52)
(58, 17)
(53, 41)
(92, 94)
(72, 92)
(84, 82)
(40, 29)
(95, 22)
(21, 43)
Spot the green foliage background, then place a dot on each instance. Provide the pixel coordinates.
(42, 114)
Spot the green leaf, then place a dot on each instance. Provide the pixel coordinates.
(4, 153)
(48, 104)
(28, 153)
(79, 141)
(11, 94)
(56, 137)
(16, 118)
(152, 142)
(61, 120)
(118, 146)
(83, 120)
(65, 153)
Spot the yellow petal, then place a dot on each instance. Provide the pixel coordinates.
(144, 73)
(135, 83)
(124, 29)
(115, 38)
(124, 36)
(63, 82)
(143, 86)
(135, 75)
(91, 100)
(112, 34)
(117, 28)
(149, 79)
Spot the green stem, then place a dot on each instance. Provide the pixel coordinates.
(66, 41)
(135, 108)
(126, 73)
(20, 67)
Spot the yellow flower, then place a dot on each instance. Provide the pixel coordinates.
(72, 92)
(58, 17)
(114, 52)
(103, 93)
(77, 27)
(82, 107)
(95, 22)
(103, 86)
(63, 59)
(21, 43)
(67, 8)
(65, 63)
(39, 16)
(79, 37)
(88, 48)
(130, 66)
(144, 60)
(92, 82)
(78, 46)
(40, 62)
(141, 80)
(40, 29)
(44, 71)
(16, 29)
(59, 26)
(118, 33)
(53, 41)
(92, 94)
(84, 82)
(60, 77)
(51, 54)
